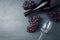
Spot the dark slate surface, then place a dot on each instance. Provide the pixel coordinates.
(13, 23)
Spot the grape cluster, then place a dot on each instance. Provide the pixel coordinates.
(55, 15)
(29, 4)
(34, 23)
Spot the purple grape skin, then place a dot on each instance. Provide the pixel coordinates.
(55, 15)
(29, 5)
(33, 24)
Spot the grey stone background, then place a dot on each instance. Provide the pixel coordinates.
(13, 23)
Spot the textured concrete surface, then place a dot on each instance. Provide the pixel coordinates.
(13, 23)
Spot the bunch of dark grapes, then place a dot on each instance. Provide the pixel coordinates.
(29, 4)
(55, 15)
(34, 23)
